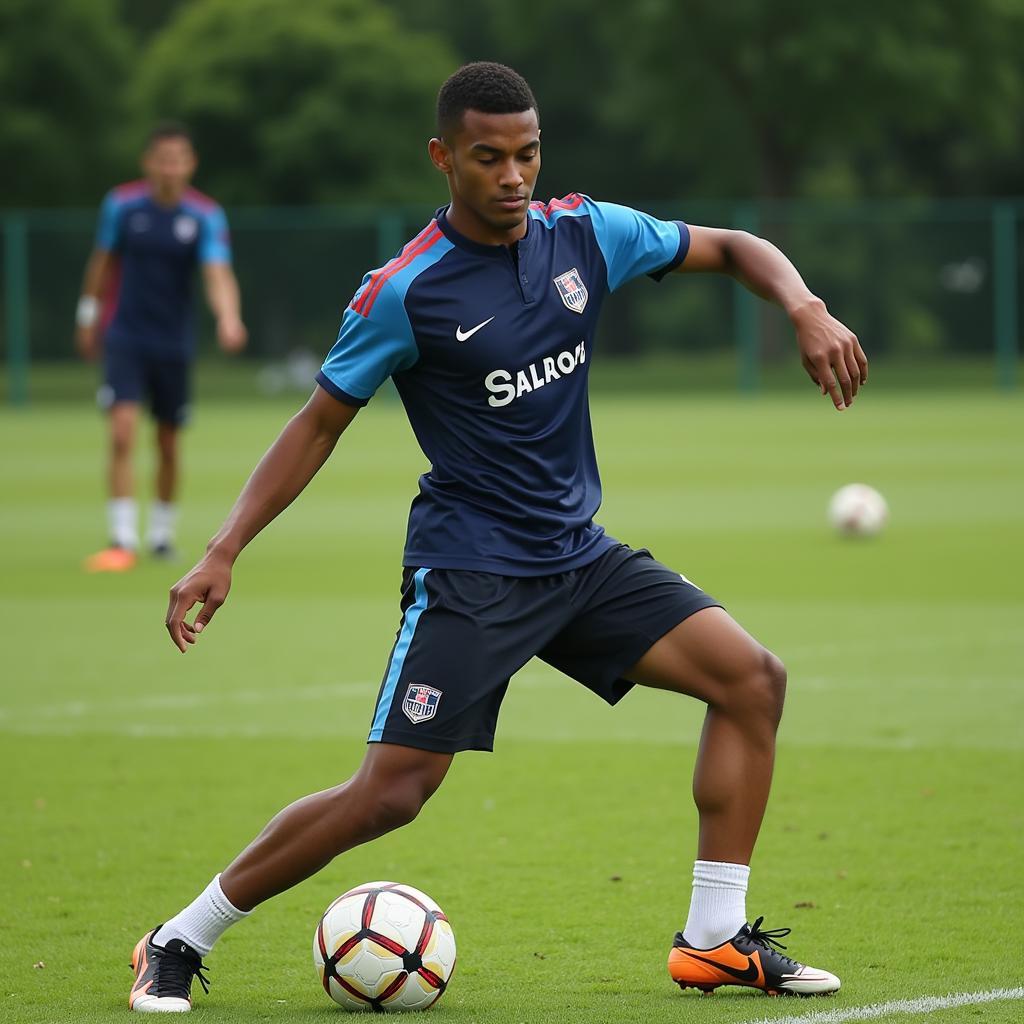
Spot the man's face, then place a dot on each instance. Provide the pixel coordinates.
(492, 165)
(169, 164)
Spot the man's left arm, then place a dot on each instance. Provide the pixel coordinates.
(222, 293)
(225, 303)
(830, 352)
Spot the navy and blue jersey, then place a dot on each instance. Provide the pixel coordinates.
(489, 347)
(158, 248)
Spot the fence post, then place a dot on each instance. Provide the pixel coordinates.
(1004, 292)
(389, 236)
(745, 314)
(16, 306)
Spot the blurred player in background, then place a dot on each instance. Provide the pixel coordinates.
(136, 310)
(486, 322)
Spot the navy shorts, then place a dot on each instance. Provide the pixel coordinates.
(465, 634)
(131, 375)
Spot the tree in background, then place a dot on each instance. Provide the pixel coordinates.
(787, 98)
(63, 71)
(300, 102)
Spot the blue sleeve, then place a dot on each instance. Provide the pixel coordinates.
(369, 348)
(109, 224)
(215, 241)
(635, 243)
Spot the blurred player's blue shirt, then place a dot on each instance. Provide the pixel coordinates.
(158, 248)
(489, 347)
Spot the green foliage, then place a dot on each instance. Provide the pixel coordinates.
(63, 68)
(309, 101)
(332, 100)
(750, 98)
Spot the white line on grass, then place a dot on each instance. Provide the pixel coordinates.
(76, 710)
(922, 1004)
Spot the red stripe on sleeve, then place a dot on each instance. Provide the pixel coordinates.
(423, 241)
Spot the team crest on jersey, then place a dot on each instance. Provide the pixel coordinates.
(572, 289)
(185, 228)
(420, 703)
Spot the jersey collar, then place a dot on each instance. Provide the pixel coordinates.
(494, 251)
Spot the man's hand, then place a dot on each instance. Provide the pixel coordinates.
(87, 342)
(207, 584)
(231, 334)
(830, 352)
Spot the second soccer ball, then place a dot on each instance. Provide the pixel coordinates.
(858, 510)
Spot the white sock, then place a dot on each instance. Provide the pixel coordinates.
(123, 521)
(162, 517)
(203, 921)
(718, 904)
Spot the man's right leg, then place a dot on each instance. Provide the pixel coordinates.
(122, 510)
(388, 791)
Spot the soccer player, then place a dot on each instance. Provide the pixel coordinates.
(151, 235)
(485, 321)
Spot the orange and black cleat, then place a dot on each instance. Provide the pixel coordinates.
(112, 559)
(747, 959)
(163, 976)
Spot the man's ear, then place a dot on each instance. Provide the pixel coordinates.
(440, 155)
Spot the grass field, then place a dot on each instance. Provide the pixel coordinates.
(893, 842)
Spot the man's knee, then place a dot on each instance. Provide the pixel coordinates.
(392, 795)
(122, 439)
(167, 442)
(122, 429)
(767, 685)
(398, 806)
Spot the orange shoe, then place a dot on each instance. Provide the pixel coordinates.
(112, 559)
(163, 976)
(747, 959)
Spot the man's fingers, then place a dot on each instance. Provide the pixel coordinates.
(853, 369)
(845, 382)
(812, 373)
(213, 601)
(862, 360)
(176, 611)
(829, 384)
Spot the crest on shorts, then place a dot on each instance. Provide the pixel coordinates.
(185, 228)
(572, 289)
(420, 703)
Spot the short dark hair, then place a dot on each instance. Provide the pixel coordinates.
(485, 86)
(169, 130)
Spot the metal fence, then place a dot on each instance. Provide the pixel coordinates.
(927, 280)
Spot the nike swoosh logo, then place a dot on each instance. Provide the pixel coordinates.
(461, 335)
(750, 974)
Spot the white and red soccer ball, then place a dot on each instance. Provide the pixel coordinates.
(384, 946)
(858, 510)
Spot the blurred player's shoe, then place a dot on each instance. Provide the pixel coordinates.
(747, 959)
(163, 976)
(112, 559)
(165, 551)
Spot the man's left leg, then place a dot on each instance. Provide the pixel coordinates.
(169, 387)
(710, 657)
(163, 513)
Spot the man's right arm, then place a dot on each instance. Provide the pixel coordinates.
(289, 464)
(88, 313)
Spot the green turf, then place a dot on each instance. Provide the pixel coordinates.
(893, 841)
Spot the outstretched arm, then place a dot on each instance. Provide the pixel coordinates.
(830, 352)
(289, 464)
